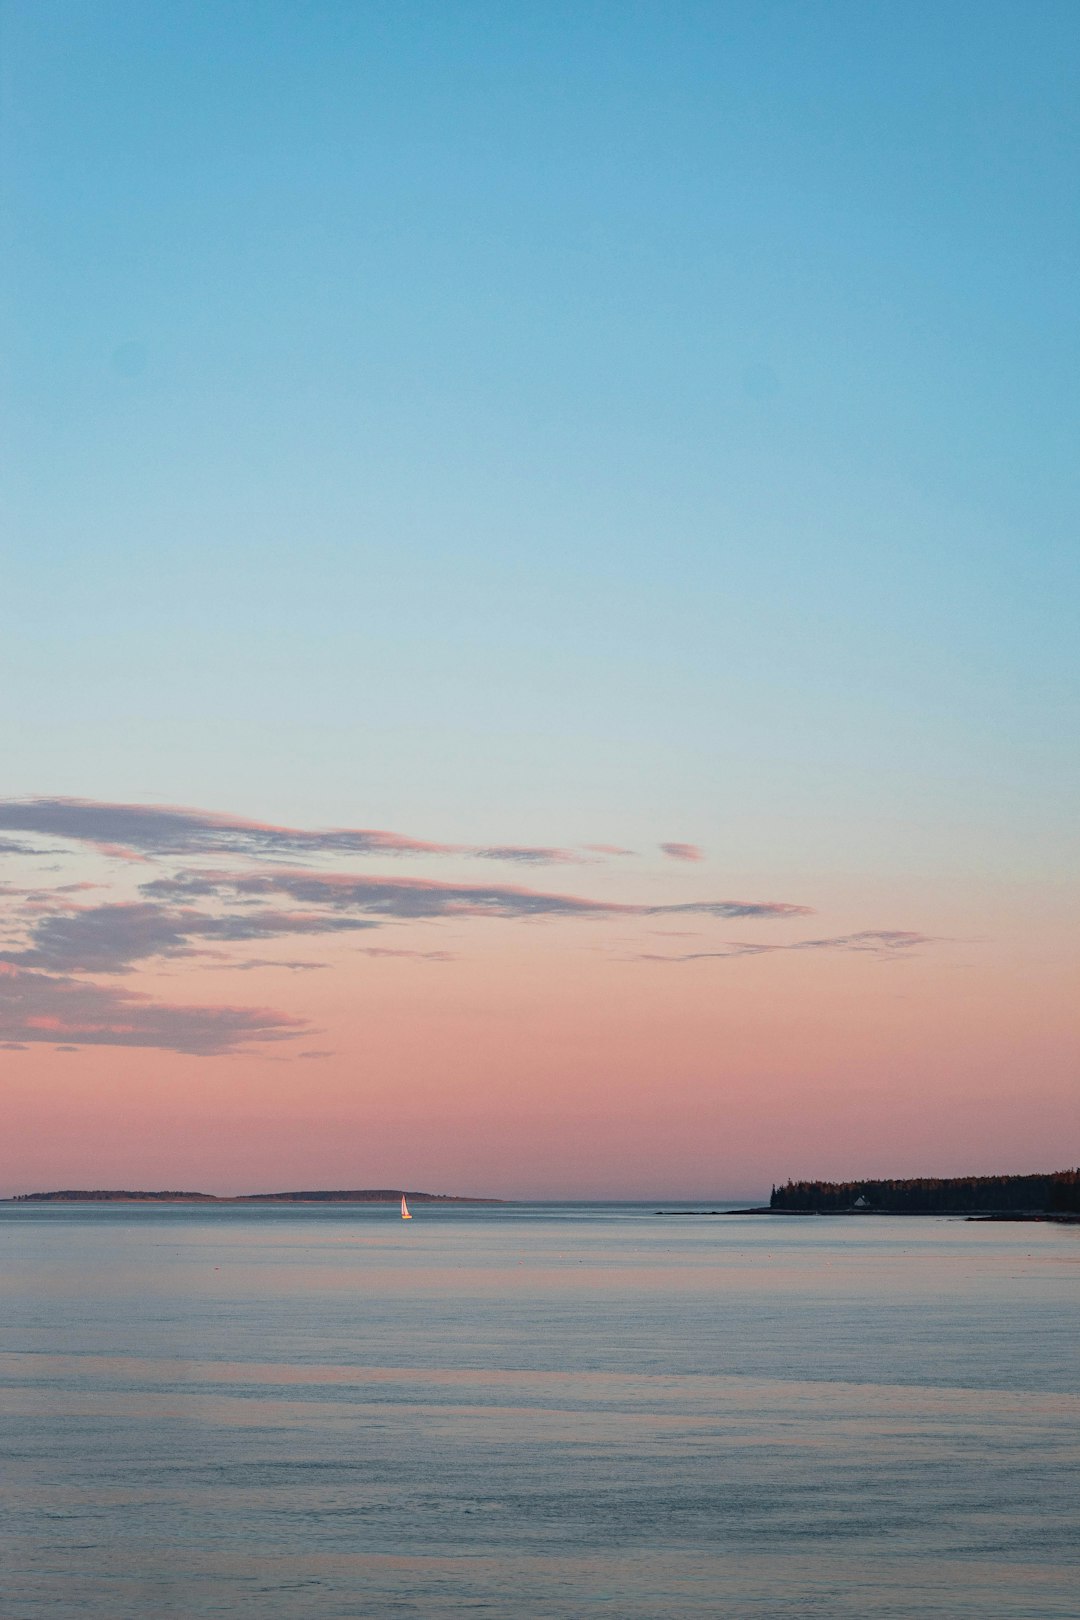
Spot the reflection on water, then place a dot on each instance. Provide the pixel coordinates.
(314, 1414)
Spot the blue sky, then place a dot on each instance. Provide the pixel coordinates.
(632, 420)
(521, 428)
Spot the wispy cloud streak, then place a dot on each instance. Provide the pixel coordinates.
(36, 1007)
(111, 938)
(202, 884)
(135, 831)
(414, 898)
(885, 942)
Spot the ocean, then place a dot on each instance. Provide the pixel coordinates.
(535, 1411)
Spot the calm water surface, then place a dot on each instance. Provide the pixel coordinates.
(324, 1413)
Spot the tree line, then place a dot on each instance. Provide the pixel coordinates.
(1057, 1193)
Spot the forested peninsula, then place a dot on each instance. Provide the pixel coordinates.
(366, 1195)
(1055, 1196)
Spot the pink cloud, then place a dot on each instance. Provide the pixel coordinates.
(134, 832)
(110, 938)
(413, 898)
(890, 943)
(683, 852)
(44, 1007)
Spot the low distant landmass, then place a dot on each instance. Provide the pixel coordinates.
(364, 1195)
(1055, 1196)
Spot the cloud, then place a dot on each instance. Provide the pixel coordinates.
(134, 832)
(416, 898)
(11, 846)
(420, 956)
(111, 938)
(196, 913)
(252, 962)
(44, 1007)
(883, 942)
(526, 855)
(59, 942)
(38, 899)
(374, 897)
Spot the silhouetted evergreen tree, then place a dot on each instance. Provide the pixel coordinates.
(1055, 1193)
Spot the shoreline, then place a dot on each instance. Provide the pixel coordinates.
(1047, 1216)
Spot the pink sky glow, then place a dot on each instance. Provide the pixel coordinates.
(638, 1033)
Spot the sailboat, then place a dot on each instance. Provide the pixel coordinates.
(405, 1209)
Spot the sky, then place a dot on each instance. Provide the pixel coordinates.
(539, 601)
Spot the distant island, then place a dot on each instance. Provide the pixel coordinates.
(365, 1195)
(1055, 1196)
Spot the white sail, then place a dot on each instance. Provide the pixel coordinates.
(405, 1209)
